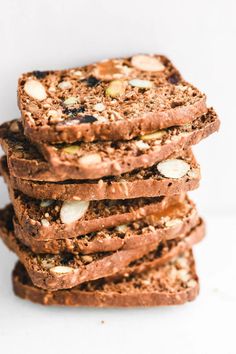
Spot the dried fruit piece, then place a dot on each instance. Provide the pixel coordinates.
(40, 74)
(92, 81)
(145, 84)
(61, 270)
(72, 149)
(154, 136)
(90, 159)
(35, 89)
(147, 63)
(70, 101)
(108, 70)
(65, 85)
(174, 78)
(116, 88)
(73, 210)
(173, 168)
(99, 107)
(73, 111)
(88, 119)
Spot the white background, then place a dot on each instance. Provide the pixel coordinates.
(199, 36)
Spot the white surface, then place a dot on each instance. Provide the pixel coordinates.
(200, 38)
(204, 326)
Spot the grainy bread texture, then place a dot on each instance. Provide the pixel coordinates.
(115, 99)
(64, 271)
(179, 220)
(51, 219)
(139, 183)
(173, 283)
(100, 159)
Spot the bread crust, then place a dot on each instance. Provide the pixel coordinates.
(101, 265)
(143, 183)
(114, 162)
(112, 240)
(99, 215)
(169, 102)
(107, 295)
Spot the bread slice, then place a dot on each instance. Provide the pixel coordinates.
(110, 100)
(139, 183)
(173, 283)
(99, 159)
(179, 220)
(56, 219)
(63, 271)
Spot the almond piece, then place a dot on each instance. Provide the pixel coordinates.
(191, 283)
(173, 168)
(46, 203)
(145, 84)
(72, 149)
(183, 275)
(52, 113)
(147, 63)
(90, 159)
(70, 101)
(87, 259)
(121, 228)
(99, 107)
(35, 89)
(154, 136)
(45, 223)
(14, 127)
(65, 85)
(73, 210)
(58, 270)
(173, 222)
(141, 145)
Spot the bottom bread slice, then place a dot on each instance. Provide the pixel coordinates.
(173, 283)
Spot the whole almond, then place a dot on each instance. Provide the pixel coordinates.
(35, 89)
(73, 210)
(147, 63)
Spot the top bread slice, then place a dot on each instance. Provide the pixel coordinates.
(115, 99)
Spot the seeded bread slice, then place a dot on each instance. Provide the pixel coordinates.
(54, 272)
(55, 219)
(179, 220)
(100, 159)
(139, 183)
(115, 99)
(173, 283)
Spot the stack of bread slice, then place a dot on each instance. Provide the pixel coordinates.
(98, 168)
